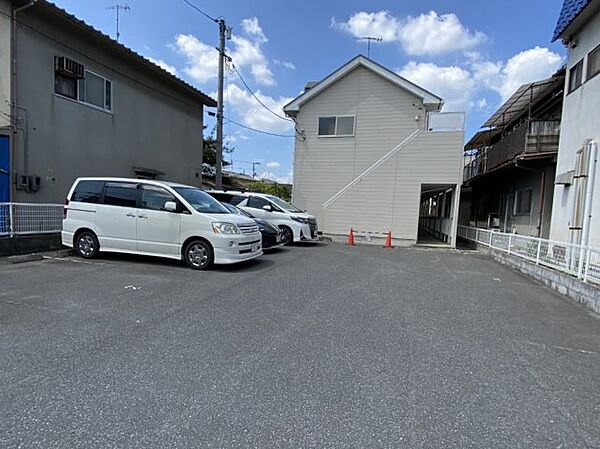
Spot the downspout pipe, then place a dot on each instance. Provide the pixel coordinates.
(13, 85)
(592, 148)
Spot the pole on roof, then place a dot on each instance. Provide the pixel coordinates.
(118, 8)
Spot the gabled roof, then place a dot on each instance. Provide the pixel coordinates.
(571, 9)
(428, 98)
(49, 8)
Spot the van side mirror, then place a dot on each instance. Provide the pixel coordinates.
(267, 207)
(171, 206)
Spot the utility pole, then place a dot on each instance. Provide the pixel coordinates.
(369, 39)
(254, 164)
(223, 30)
(118, 8)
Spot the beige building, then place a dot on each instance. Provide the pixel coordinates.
(374, 153)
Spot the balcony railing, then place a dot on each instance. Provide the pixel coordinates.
(530, 137)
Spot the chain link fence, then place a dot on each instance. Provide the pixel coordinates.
(576, 260)
(30, 218)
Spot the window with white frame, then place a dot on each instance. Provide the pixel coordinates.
(95, 90)
(92, 89)
(593, 63)
(336, 126)
(523, 201)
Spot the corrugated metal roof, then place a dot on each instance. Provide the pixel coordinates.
(518, 103)
(113, 44)
(570, 10)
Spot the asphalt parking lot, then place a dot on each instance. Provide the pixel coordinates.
(309, 347)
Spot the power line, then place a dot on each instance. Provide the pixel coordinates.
(259, 130)
(256, 97)
(200, 11)
(299, 133)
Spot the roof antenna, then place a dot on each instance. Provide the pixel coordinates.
(118, 8)
(369, 39)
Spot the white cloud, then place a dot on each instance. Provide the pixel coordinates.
(273, 164)
(268, 175)
(529, 65)
(457, 85)
(286, 64)
(202, 59)
(376, 24)
(253, 114)
(251, 26)
(163, 65)
(454, 84)
(426, 34)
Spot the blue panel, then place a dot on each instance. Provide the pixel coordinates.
(4, 169)
(570, 10)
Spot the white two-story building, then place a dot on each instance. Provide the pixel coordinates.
(576, 205)
(375, 154)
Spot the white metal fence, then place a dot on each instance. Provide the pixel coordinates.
(30, 218)
(576, 260)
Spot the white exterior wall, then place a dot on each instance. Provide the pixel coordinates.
(5, 97)
(580, 121)
(389, 198)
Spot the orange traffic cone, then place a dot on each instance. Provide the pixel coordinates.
(388, 241)
(350, 238)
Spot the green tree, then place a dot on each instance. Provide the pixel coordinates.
(283, 191)
(209, 153)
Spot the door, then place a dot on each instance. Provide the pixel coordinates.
(4, 169)
(116, 216)
(158, 231)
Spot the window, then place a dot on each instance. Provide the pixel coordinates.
(121, 194)
(575, 76)
(326, 126)
(154, 198)
(256, 202)
(89, 88)
(523, 200)
(95, 90)
(88, 191)
(201, 201)
(336, 126)
(66, 86)
(593, 64)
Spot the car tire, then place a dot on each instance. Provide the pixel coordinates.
(287, 236)
(87, 245)
(199, 255)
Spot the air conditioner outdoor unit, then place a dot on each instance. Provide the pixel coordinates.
(68, 67)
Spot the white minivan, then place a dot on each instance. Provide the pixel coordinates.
(156, 218)
(295, 224)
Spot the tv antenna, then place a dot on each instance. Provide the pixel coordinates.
(118, 8)
(369, 39)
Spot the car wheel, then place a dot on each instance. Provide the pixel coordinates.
(287, 236)
(86, 245)
(199, 255)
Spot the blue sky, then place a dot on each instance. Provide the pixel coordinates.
(473, 53)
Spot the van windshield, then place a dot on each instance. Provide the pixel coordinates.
(283, 204)
(201, 201)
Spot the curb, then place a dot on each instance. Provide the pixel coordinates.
(24, 258)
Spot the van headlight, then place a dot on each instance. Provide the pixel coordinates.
(299, 219)
(225, 228)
